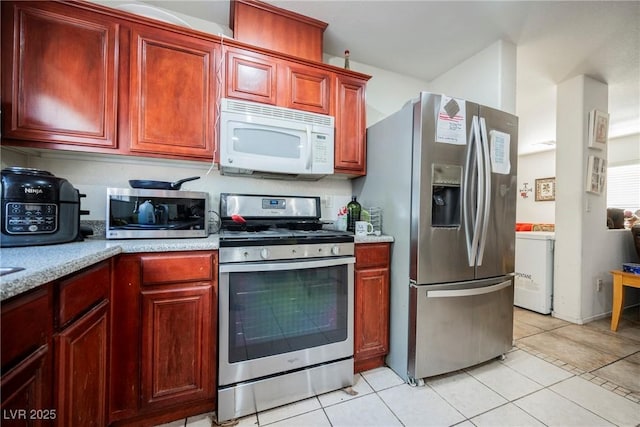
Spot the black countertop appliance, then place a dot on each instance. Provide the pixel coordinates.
(38, 208)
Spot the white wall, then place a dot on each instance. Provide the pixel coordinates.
(488, 78)
(581, 256)
(387, 91)
(133, 6)
(532, 167)
(624, 150)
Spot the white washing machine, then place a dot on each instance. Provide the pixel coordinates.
(534, 271)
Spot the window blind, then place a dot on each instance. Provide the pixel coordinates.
(623, 187)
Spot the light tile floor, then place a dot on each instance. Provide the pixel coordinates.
(558, 374)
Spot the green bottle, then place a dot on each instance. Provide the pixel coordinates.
(353, 214)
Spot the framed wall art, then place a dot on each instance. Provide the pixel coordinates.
(596, 175)
(598, 129)
(545, 189)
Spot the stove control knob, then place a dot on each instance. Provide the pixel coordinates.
(264, 253)
(335, 250)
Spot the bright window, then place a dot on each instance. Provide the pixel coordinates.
(623, 187)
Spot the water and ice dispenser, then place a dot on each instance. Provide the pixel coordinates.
(445, 191)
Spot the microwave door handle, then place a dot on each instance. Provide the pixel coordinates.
(310, 145)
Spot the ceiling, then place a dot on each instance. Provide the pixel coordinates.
(556, 40)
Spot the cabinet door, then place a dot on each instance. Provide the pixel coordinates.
(371, 323)
(172, 94)
(26, 391)
(251, 76)
(177, 348)
(306, 88)
(350, 146)
(81, 375)
(58, 74)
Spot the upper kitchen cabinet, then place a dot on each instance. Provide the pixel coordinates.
(306, 88)
(268, 79)
(350, 138)
(251, 76)
(262, 24)
(172, 97)
(59, 74)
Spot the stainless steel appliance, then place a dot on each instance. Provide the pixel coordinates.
(38, 208)
(285, 304)
(444, 171)
(274, 142)
(134, 213)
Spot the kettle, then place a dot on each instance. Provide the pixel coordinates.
(146, 213)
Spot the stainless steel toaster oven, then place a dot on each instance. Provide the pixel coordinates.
(149, 214)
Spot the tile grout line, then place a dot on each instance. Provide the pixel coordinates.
(601, 382)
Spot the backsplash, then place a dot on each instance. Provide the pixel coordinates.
(92, 174)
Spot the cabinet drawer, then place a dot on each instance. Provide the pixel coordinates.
(84, 290)
(26, 321)
(372, 255)
(177, 267)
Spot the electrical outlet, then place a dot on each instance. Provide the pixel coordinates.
(327, 201)
(598, 285)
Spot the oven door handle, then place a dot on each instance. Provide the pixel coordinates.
(275, 266)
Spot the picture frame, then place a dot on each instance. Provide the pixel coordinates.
(596, 175)
(598, 129)
(545, 189)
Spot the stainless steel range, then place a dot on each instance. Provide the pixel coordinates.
(285, 302)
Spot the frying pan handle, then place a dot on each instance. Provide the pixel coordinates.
(179, 182)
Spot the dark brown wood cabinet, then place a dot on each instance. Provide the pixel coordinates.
(59, 74)
(80, 76)
(172, 99)
(251, 76)
(55, 351)
(81, 376)
(258, 77)
(26, 340)
(82, 347)
(350, 137)
(371, 318)
(306, 88)
(164, 342)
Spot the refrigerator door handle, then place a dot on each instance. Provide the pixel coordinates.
(484, 143)
(469, 219)
(479, 191)
(468, 292)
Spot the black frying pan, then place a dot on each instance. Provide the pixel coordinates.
(159, 185)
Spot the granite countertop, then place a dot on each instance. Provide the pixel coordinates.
(374, 239)
(43, 264)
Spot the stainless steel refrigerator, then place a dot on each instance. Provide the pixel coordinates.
(444, 172)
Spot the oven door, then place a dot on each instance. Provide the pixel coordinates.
(281, 316)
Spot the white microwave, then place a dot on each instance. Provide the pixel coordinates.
(263, 140)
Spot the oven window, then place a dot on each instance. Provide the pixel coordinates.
(276, 312)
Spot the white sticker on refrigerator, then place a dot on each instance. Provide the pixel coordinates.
(451, 123)
(499, 151)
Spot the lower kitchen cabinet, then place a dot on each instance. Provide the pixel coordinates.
(371, 314)
(81, 374)
(81, 347)
(26, 385)
(177, 344)
(163, 364)
(55, 352)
